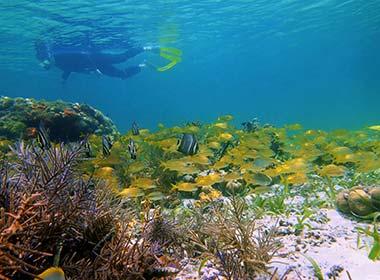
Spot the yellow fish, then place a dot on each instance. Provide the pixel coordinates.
(230, 176)
(131, 192)
(225, 118)
(221, 125)
(375, 127)
(208, 180)
(225, 136)
(104, 172)
(179, 166)
(52, 273)
(143, 183)
(223, 163)
(295, 179)
(197, 159)
(135, 167)
(332, 170)
(214, 145)
(185, 187)
(295, 126)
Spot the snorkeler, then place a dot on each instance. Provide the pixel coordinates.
(89, 61)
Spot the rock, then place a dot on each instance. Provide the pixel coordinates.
(342, 202)
(360, 202)
(284, 231)
(375, 197)
(65, 121)
(284, 223)
(334, 272)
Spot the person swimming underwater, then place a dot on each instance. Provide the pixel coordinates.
(80, 60)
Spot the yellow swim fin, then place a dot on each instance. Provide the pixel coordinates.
(171, 54)
(171, 51)
(52, 273)
(171, 57)
(167, 67)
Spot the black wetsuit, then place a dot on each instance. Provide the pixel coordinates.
(87, 61)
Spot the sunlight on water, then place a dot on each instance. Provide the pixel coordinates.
(115, 22)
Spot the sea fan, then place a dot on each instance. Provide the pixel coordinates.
(51, 216)
(44, 205)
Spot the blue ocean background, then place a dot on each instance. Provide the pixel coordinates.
(291, 61)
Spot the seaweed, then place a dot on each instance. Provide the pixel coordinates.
(229, 236)
(47, 206)
(316, 268)
(53, 215)
(374, 253)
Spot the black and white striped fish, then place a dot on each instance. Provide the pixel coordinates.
(222, 151)
(132, 149)
(107, 145)
(87, 148)
(135, 129)
(188, 144)
(43, 137)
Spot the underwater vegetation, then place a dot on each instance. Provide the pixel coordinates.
(21, 117)
(230, 236)
(206, 161)
(133, 206)
(57, 221)
(52, 216)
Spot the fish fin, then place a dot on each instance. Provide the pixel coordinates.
(52, 273)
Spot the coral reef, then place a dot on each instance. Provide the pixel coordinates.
(247, 198)
(20, 117)
(50, 215)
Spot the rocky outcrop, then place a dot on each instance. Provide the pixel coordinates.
(359, 201)
(20, 117)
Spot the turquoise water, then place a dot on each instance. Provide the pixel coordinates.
(312, 62)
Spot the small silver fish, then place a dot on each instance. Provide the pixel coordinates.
(188, 144)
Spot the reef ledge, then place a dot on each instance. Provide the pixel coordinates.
(20, 118)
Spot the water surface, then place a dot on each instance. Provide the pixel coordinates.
(312, 62)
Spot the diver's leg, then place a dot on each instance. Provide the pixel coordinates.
(105, 58)
(65, 76)
(110, 70)
(132, 52)
(132, 70)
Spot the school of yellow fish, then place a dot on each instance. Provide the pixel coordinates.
(268, 155)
